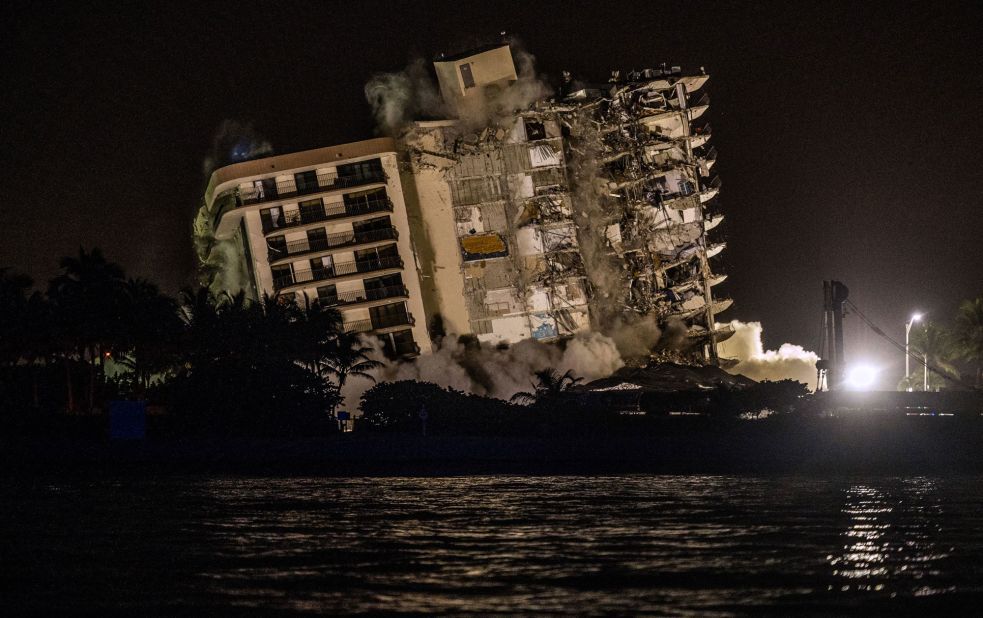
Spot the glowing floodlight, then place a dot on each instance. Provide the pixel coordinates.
(861, 377)
(915, 317)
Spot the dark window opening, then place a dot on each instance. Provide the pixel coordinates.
(384, 282)
(376, 253)
(282, 275)
(389, 315)
(327, 295)
(277, 246)
(467, 76)
(311, 210)
(535, 130)
(378, 223)
(361, 171)
(306, 181)
(399, 343)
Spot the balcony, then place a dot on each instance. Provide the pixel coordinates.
(359, 296)
(389, 321)
(338, 270)
(331, 241)
(289, 189)
(407, 348)
(327, 213)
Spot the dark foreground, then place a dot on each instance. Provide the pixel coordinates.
(857, 444)
(696, 545)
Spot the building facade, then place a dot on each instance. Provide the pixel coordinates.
(524, 214)
(590, 209)
(328, 224)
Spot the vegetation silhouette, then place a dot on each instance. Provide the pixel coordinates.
(221, 364)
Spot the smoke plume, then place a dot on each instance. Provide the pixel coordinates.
(399, 98)
(234, 141)
(788, 362)
(493, 371)
(502, 371)
(220, 264)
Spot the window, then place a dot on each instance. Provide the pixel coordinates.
(306, 181)
(277, 247)
(322, 267)
(317, 239)
(378, 223)
(389, 315)
(311, 210)
(361, 171)
(467, 76)
(272, 218)
(366, 201)
(282, 276)
(327, 295)
(535, 130)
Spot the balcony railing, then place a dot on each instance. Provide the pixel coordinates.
(327, 213)
(361, 296)
(331, 241)
(399, 319)
(289, 188)
(358, 326)
(361, 326)
(339, 269)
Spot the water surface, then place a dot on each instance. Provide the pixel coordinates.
(698, 545)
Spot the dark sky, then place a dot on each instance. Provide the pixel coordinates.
(848, 134)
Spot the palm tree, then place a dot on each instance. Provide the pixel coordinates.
(14, 290)
(150, 332)
(349, 357)
(934, 345)
(88, 303)
(549, 388)
(314, 331)
(968, 334)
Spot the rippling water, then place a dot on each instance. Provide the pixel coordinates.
(699, 545)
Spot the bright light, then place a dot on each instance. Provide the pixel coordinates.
(861, 377)
(916, 317)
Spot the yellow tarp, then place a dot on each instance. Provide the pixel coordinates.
(483, 244)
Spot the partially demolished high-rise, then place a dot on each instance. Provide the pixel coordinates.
(586, 209)
(525, 213)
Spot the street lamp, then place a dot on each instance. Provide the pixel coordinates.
(907, 331)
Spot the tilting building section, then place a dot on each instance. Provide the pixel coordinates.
(515, 217)
(642, 176)
(327, 224)
(496, 219)
(585, 210)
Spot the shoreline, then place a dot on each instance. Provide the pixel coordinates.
(840, 446)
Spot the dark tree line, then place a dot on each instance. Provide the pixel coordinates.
(219, 362)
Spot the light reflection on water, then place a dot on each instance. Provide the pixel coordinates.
(891, 538)
(688, 545)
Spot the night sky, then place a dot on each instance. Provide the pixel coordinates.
(848, 135)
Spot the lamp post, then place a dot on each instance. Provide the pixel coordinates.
(925, 373)
(907, 357)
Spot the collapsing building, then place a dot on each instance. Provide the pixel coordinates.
(585, 210)
(525, 214)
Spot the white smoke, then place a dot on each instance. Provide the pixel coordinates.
(635, 336)
(789, 362)
(234, 141)
(492, 371)
(412, 94)
(399, 98)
